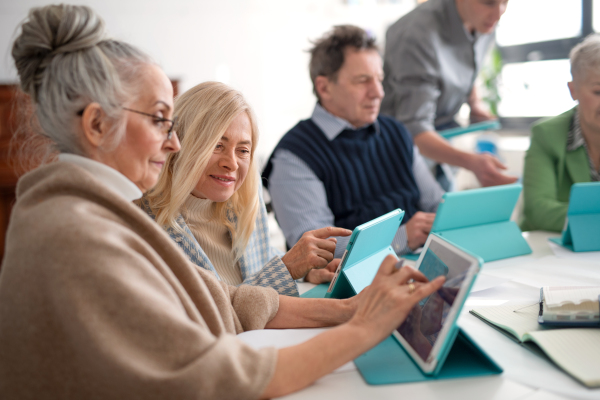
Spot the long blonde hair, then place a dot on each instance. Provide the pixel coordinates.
(204, 113)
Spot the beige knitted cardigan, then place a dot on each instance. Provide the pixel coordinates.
(97, 302)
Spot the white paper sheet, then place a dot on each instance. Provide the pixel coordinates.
(484, 282)
(280, 338)
(551, 271)
(561, 252)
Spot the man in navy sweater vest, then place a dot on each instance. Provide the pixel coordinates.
(346, 164)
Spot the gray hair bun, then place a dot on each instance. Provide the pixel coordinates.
(49, 32)
(65, 62)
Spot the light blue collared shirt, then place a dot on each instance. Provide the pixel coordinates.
(299, 198)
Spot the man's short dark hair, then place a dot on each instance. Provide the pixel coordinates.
(327, 54)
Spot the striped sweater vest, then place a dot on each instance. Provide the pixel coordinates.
(365, 174)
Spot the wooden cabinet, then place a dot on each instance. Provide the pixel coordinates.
(8, 176)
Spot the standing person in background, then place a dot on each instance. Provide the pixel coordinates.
(565, 149)
(432, 57)
(347, 164)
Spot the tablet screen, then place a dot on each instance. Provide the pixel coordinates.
(424, 325)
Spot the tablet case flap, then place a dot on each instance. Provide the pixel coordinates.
(582, 232)
(342, 289)
(354, 278)
(560, 241)
(318, 292)
(362, 274)
(585, 232)
(490, 241)
(476, 207)
(369, 245)
(388, 363)
(478, 126)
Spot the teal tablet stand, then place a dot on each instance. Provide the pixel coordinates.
(478, 126)
(478, 220)
(368, 246)
(318, 292)
(389, 363)
(582, 231)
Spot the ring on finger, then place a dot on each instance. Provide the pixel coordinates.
(411, 288)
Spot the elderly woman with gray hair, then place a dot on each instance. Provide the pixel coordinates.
(96, 301)
(565, 149)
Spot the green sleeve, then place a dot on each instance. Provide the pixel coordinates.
(543, 210)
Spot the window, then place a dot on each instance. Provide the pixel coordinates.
(534, 21)
(535, 38)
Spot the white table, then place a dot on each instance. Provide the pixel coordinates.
(526, 375)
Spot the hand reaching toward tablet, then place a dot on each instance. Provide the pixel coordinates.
(315, 249)
(323, 275)
(387, 302)
(374, 314)
(418, 228)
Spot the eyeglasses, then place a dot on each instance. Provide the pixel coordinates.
(166, 125)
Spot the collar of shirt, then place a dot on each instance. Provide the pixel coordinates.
(471, 36)
(331, 125)
(575, 137)
(105, 174)
(576, 140)
(456, 27)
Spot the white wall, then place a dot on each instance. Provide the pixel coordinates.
(257, 46)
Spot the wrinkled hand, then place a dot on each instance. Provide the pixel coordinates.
(385, 304)
(487, 170)
(418, 228)
(323, 275)
(315, 249)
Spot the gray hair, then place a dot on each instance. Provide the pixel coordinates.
(65, 62)
(327, 54)
(585, 56)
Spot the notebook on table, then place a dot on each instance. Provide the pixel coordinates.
(570, 306)
(575, 350)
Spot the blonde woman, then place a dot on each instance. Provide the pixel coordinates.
(209, 199)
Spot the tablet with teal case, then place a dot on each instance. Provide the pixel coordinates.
(478, 220)
(453, 354)
(369, 244)
(389, 363)
(478, 126)
(582, 226)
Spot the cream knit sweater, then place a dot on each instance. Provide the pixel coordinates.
(213, 237)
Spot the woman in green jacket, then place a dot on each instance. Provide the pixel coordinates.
(565, 149)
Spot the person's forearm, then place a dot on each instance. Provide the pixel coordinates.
(433, 146)
(297, 312)
(299, 366)
(473, 96)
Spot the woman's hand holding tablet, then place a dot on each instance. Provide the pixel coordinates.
(386, 303)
